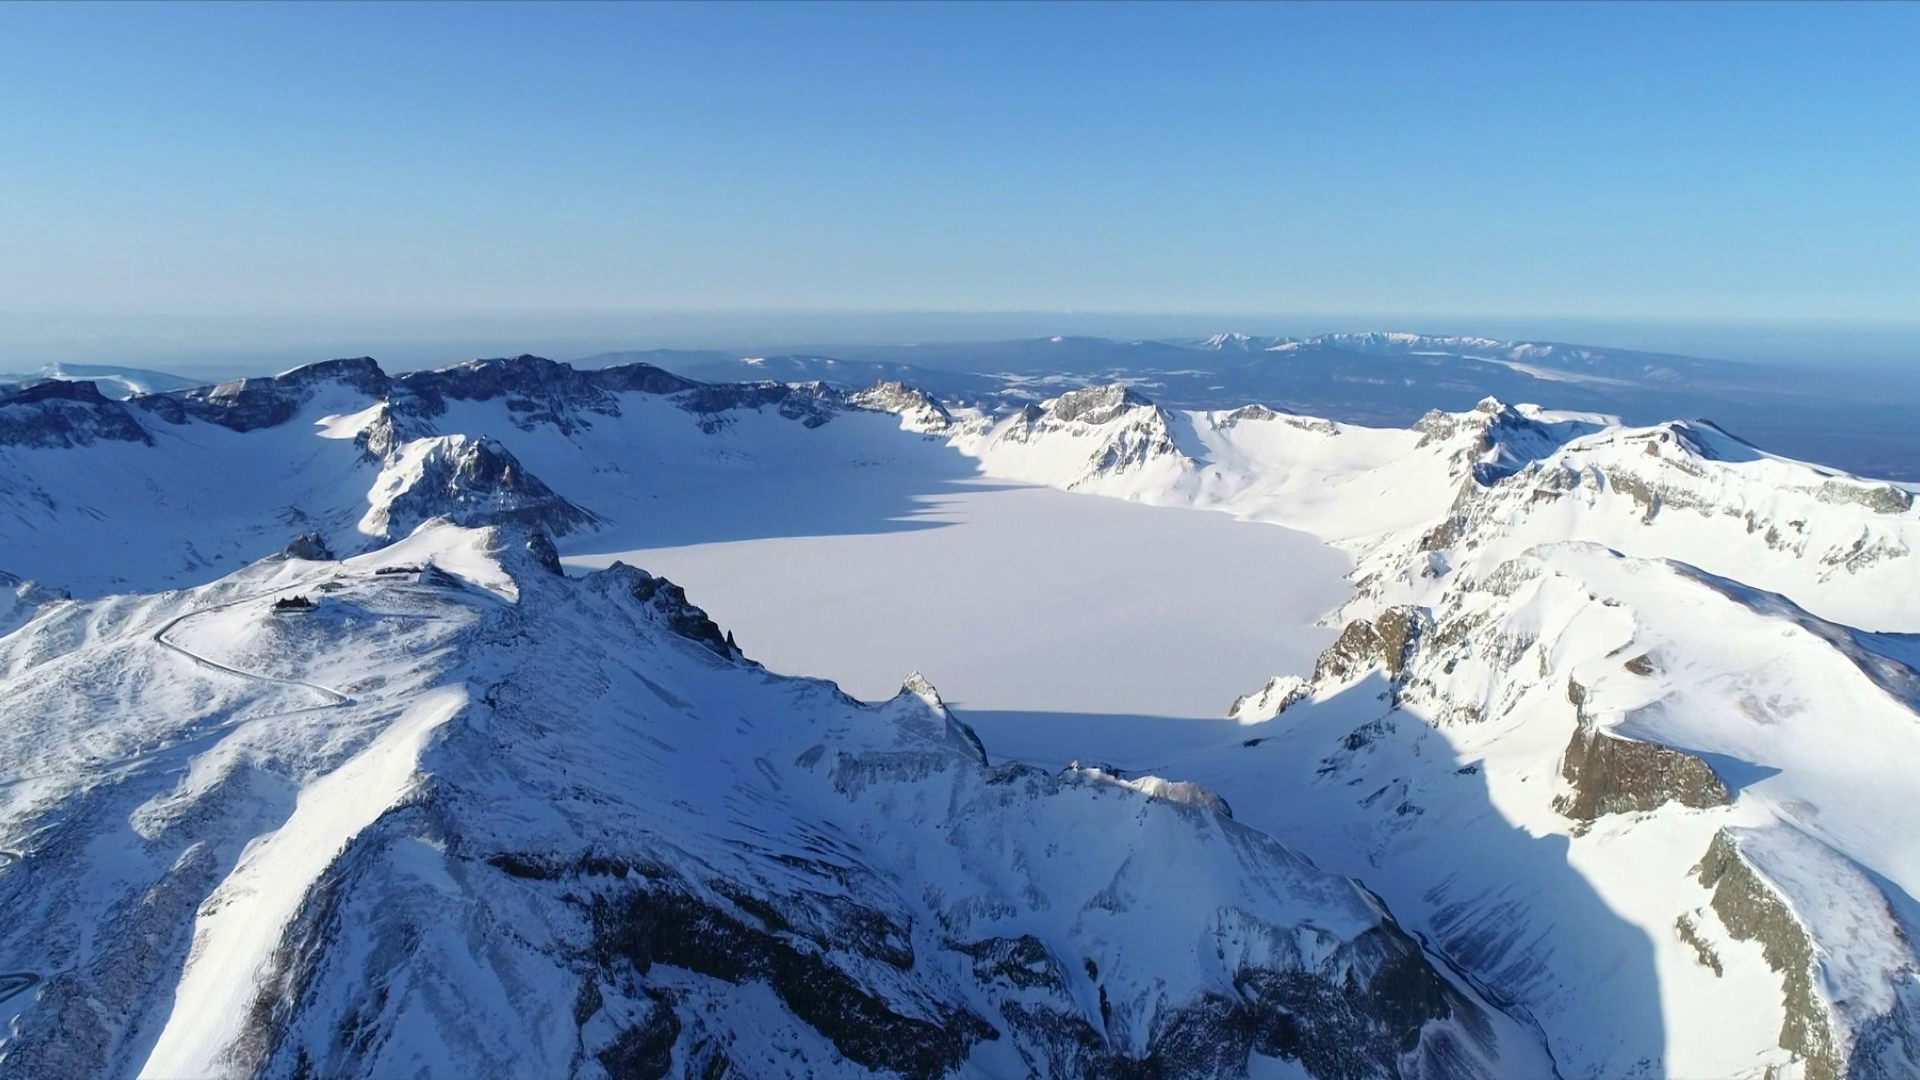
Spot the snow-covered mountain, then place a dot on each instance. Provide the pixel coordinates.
(98, 495)
(440, 810)
(1617, 724)
(1681, 669)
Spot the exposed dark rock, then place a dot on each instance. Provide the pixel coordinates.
(1388, 641)
(1612, 775)
(643, 1051)
(534, 390)
(540, 546)
(1359, 1014)
(309, 546)
(667, 925)
(668, 603)
(1752, 911)
(1702, 951)
(1096, 404)
(1021, 961)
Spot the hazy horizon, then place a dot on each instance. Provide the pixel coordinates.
(213, 345)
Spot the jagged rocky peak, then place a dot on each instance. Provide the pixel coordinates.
(919, 712)
(57, 413)
(1495, 440)
(1096, 404)
(913, 405)
(468, 481)
(666, 605)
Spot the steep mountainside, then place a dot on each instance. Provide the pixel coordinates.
(440, 810)
(1681, 671)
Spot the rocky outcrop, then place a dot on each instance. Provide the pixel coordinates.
(309, 546)
(470, 482)
(1751, 911)
(1387, 642)
(533, 389)
(915, 407)
(1096, 404)
(1611, 775)
(751, 940)
(62, 414)
(667, 605)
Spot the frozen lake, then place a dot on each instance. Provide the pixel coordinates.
(1059, 625)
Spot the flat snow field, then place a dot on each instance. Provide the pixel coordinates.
(1058, 625)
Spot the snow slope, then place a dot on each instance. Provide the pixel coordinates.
(1618, 716)
(493, 820)
(1500, 477)
(1615, 717)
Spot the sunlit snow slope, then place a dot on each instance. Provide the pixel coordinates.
(1618, 720)
(477, 818)
(1622, 718)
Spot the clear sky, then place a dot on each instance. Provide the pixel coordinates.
(1613, 161)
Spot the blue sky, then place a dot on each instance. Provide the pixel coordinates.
(1707, 161)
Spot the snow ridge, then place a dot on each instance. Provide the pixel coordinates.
(560, 826)
(1688, 660)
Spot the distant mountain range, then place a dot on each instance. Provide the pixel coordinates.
(1865, 423)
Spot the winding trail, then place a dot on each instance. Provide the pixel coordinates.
(15, 982)
(334, 697)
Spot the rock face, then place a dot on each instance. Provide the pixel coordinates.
(467, 481)
(1611, 775)
(1085, 437)
(1096, 404)
(1387, 642)
(1751, 911)
(914, 406)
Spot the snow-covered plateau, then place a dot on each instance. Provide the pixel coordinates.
(340, 737)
